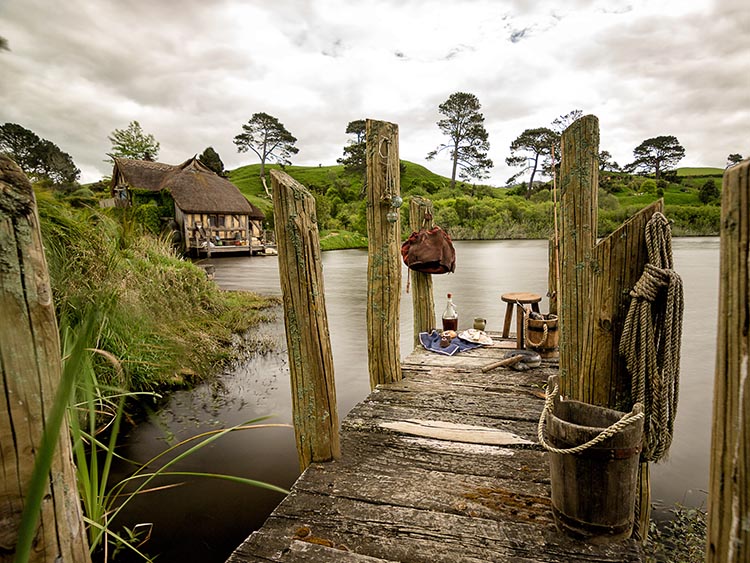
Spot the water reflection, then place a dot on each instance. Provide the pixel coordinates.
(206, 520)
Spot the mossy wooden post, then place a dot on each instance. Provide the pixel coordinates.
(729, 492)
(314, 411)
(422, 298)
(384, 253)
(29, 375)
(595, 281)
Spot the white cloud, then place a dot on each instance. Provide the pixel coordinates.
(193, 72)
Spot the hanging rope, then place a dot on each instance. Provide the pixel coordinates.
(651, 338)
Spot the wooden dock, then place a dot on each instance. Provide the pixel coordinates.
(443, 466)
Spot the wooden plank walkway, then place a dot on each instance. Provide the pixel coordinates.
(477, 493)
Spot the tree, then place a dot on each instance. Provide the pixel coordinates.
(267, 137)
(606, 162)
(354, 159)
(211, 159)
(560, 124)
(530, 150)
(734, 158)
(38, 158)
(468, 145)
(708, 192)
(133, 143)
(657, 155)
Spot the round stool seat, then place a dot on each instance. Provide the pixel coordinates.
(520, 298)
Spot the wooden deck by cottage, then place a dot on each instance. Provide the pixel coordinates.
(442, 466)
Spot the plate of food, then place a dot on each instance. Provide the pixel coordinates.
(476, 336)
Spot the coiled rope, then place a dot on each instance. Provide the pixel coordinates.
(651, 337)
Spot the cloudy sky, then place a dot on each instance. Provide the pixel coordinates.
(193, 71)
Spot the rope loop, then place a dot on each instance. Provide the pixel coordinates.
(528, 340)
(629, 418)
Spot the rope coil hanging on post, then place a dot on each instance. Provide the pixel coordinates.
(651, 338)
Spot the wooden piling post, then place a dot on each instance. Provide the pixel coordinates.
(384, 253)
(29, 376)
(314, 410)
(595, 281)
(422, 297)
(728, 498)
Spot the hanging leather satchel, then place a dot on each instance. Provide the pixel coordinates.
(429, 251)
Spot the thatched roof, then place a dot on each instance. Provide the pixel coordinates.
(194, 187)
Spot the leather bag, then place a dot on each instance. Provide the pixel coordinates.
(429, 251)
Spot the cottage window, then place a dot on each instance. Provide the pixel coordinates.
(216, 220)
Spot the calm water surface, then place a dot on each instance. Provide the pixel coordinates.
(203, 520)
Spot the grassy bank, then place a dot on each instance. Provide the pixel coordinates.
(162, 318)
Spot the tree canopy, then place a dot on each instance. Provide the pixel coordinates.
(468, 146)
(734, 158)
(657, 155)
(530, 151)
(267, 137)
(133, 143)
(560, 124)
(211, 159)
(38, 158)
(354, 159)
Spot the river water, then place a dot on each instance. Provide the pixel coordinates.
(203, 520)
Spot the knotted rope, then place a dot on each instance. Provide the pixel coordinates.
(651, 338)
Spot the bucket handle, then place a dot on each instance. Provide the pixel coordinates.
(633, 416)
(530, 342)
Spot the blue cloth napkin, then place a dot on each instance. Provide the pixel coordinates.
(431, 342)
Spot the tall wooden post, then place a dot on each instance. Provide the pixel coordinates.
(422, 297)
(595, 281)
(314, 411)
(728, 497)
(29, 376)
(384, 253)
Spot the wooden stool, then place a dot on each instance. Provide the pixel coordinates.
(521, 299)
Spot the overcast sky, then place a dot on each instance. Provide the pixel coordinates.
(193, 71)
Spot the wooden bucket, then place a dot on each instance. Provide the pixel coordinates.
(537, 340)
(593, 492)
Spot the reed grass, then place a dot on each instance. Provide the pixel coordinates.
(166, 322)
(95, 412)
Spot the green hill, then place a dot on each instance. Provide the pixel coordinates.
(471, 211)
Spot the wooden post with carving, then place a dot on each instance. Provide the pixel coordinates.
(595, 281)
(29, 377)
(314, 410)
(422, 297)
(384, 253)
(728, 498)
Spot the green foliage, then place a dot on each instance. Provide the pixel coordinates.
(682, 539)
(211, 159)
(532, 151)
(734, 158)
(468, 145)
(657, 155)
(39, 158)
(168, 321)
(709, 192)
(133, 143)
(337, 240)
(649, 186)
(267, 137)
(354, 159)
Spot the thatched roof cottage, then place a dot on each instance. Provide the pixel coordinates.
(210, 211)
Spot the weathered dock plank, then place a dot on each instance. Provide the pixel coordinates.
(442, 466)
